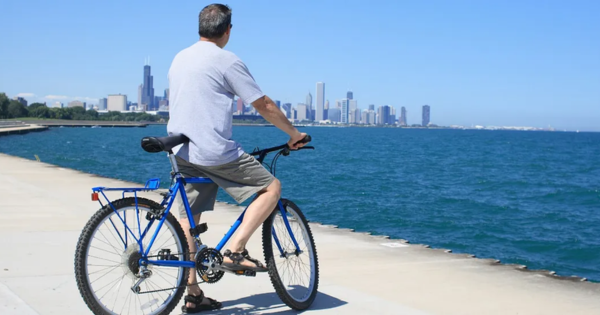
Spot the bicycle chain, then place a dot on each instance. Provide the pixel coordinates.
(167, 289)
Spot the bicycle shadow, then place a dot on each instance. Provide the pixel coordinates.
(270, 303)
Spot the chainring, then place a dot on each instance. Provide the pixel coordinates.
(213, 258)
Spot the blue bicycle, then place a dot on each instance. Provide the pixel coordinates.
(132, 256)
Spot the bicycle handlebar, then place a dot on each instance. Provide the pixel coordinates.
(262, 153)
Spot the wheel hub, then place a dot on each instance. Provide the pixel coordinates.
(134, 263)
(130, 261)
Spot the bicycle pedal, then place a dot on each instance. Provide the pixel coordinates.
(247, 273)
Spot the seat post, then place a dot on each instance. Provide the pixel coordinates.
(173, 162)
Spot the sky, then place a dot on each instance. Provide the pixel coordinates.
(493, 62)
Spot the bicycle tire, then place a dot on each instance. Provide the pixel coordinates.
(85, 238)
(270, 259)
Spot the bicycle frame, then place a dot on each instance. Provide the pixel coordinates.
(177, 187)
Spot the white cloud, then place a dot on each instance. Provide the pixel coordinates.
(56, 97)
(25, 95)
(86, 99)
(65, 98)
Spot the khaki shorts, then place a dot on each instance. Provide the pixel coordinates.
(241, 179)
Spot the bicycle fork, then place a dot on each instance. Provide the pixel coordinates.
(285, 254)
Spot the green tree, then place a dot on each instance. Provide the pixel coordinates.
(40, 112)
(35, 105)
(16, 110)
(4, 102)
(60, 113)
(91, 115)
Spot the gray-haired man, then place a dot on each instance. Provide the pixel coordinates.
(203, 79)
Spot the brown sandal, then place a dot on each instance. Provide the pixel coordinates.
(237, 259)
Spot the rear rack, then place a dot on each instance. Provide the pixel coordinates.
(151, 184)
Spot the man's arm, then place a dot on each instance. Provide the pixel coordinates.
(269, 111)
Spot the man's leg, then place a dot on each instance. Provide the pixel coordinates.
(255, 215)
(192, 288)
(201, 197)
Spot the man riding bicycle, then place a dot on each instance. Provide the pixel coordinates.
(203, 80)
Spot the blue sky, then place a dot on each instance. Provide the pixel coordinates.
(525, 63)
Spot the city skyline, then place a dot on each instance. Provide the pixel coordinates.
(509, 63)
(347, 110)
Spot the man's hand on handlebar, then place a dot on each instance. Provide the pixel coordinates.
(296, 141)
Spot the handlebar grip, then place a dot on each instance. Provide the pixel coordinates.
(306, 139)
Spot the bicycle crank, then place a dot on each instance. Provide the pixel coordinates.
(208, 261)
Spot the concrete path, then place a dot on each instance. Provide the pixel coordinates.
(44, 208)
(7, 130)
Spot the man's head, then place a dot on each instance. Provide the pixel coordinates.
(215, 24)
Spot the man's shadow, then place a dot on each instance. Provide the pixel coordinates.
(270, 302)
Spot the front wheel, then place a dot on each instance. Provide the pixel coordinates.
(293, 266)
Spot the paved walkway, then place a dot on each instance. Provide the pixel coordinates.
(4, 130)
(44, 208)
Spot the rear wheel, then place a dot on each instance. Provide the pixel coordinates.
(294, 274)
(107, 261)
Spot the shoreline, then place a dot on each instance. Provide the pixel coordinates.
(143, 124)
(47, 211)
(370, 234)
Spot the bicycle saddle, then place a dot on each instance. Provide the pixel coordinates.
(159, 144)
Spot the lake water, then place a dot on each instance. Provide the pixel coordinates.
(522, 197)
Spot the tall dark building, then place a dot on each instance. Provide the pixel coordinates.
(148, 89)
(403, 117)
(426, 115)
(371, 107)
(383, 115)
(349, 95)
(156, 101)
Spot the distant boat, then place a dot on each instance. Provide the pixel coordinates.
(96, 126)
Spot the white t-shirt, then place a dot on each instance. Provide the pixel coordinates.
(203, 80)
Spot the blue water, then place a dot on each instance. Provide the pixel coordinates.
(522, 197)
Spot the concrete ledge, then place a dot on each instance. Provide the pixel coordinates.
(21, 129)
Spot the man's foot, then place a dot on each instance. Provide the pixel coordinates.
(196, 302)
(241, 261)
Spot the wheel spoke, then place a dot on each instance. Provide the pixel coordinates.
(296, 275)
(111, 288)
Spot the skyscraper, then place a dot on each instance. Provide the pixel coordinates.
(333, 114)
(140, 91)
(353, 104)
(320, 113)
(371, 107)
(372, 117)
(302, 112)
(117, 102)
(356, 116)
(426, 115)
(148, 88)
(349, 95)
(403, 117)
(76, 103)
(308, 101)
(278, 103)
(383, 115)
(102, 104)
(345, 111)
(287, 109)
(20, 100)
